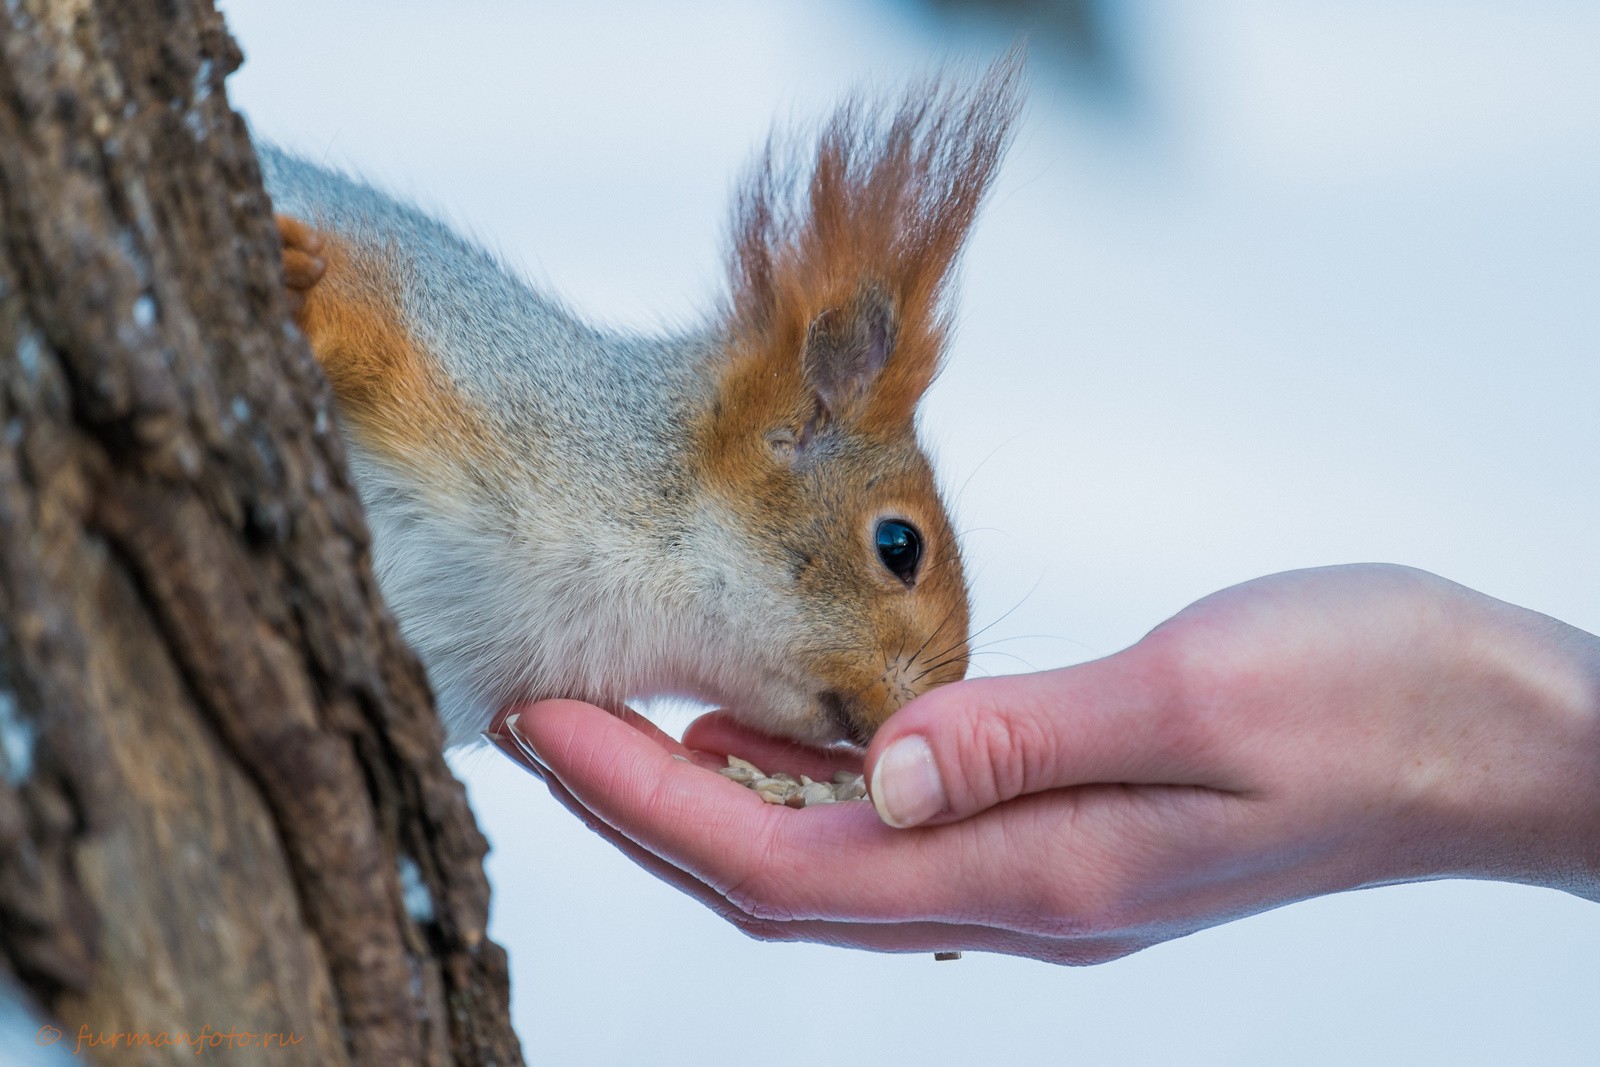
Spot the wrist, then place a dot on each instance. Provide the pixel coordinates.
(1533, 778)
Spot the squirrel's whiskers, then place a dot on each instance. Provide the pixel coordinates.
(740, 514)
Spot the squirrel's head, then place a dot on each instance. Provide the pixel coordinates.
(849, 599)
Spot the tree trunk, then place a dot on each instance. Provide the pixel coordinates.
(222, 797)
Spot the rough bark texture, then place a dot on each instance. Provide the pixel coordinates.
(222, 798)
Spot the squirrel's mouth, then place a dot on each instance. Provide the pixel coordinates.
(837, 711)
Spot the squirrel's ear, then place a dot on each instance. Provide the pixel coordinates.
(846, 347)
(846, 262)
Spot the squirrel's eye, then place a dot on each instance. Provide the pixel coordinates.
(900, 548)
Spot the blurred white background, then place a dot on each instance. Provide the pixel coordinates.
(1262, 285)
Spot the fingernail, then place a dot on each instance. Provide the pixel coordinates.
(906, 788)
(524, 751)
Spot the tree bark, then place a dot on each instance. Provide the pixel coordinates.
(223, 801)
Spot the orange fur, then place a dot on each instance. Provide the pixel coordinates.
(303, 265)
(839, 264)
(834, 330)
(887, 206)
(390, 394)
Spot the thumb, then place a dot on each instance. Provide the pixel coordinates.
(968, 746)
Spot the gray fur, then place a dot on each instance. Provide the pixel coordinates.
(573, 553)
(582, 563)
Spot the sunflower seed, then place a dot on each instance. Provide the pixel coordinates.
(735, 761)
(776, 786)
(851, 790)
(817, 793)
(739, 774)
(791, 790)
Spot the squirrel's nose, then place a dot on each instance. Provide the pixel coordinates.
(852, 727)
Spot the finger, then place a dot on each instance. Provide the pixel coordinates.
(1107, 864)
(509, 743)
(717, 831)
(835, 861)
(502, 735)
(720, 732)
(501, 724)
(615, 768)
(898, 937)
(968, 746)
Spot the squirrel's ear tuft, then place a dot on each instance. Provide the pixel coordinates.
(845, 349)
(844, 261)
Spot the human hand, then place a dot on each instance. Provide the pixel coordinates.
(1296, 735)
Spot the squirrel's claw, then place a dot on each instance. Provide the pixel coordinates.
(303, 267)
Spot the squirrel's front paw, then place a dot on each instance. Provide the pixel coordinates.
(303, 266)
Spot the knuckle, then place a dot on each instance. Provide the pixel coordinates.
(1184, 657)
(1199, 678)
(742, 912)
(761, 893)
(999, 752)
(755, 901)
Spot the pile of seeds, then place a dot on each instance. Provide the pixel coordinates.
(794, 792)
(802, 792)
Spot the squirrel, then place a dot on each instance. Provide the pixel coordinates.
(740, 513)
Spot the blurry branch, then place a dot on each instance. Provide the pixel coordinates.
(1078, 35)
